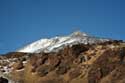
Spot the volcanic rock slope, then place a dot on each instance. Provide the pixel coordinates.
(77, 58)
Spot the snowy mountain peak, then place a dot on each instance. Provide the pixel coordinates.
(78, 33)
(57, 43)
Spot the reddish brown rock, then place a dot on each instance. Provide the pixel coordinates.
(18, 65)
(43, 70)
(74, 73)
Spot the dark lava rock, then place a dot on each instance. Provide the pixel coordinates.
(62, 69)
(43, 70)
(74, 73)
(77, 49)
(3, 80)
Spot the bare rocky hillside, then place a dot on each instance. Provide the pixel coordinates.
(96, 63)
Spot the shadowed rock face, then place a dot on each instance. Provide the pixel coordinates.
(107, 68)
(77, 64)
(3, 80)
(18, 65)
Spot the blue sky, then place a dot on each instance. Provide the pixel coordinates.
(24, 21)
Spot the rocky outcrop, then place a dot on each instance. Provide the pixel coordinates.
(18, 65)
(107, 68)
(97, 63)
(3, 80)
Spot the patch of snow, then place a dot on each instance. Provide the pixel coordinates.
(7, 69)
(24, 62)
(56, 43)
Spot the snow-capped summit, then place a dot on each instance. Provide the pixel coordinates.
(56, 43)
(78, 33)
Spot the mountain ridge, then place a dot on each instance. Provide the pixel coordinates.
(76, 58)
(48, 45)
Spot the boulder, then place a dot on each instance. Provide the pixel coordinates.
(62, 69)
(74, 73)
(43, 70)
(3, 80)
(18, 65)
